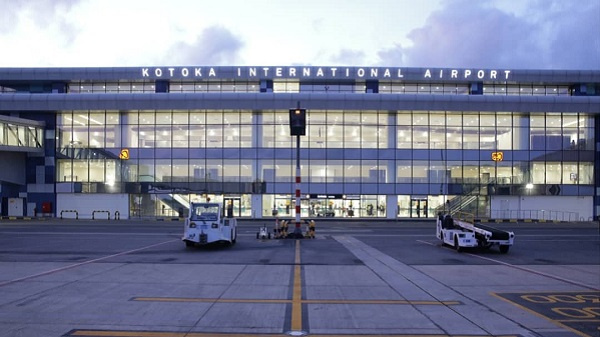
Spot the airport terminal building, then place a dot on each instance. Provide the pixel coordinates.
(381, 142)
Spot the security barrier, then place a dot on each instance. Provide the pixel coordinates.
(69, 211)
(94, 214)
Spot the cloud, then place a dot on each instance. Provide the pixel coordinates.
(549, 34)
(216, 45)
(348, 57)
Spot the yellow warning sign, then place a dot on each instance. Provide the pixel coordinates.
(124, 154)
(497, 156)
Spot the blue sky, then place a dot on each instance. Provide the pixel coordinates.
(533, 34)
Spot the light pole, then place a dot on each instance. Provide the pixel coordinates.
(297, 128)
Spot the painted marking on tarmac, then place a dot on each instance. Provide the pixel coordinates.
(124, 333)
(577, 311)
(587, 286)
(285, 301)
(52, 271)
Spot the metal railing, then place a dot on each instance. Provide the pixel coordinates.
(535, 214)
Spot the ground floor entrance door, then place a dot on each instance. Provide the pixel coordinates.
(418, 208)
(232, 207)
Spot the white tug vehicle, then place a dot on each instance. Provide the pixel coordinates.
(205, 224)
(460, 233)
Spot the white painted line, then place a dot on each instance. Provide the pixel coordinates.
(526, 269)
(81, 264)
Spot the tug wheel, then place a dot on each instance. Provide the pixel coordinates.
(504, 249)
(458, 248)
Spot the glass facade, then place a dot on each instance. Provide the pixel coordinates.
(352, 159)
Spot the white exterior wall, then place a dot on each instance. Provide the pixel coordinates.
(85, 204)
(567, 208)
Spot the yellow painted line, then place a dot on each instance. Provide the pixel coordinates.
(109, 333)
(297, 292)
(381, 302)
(209, 300)
(118, 333)
(284, 301)
(535, 313)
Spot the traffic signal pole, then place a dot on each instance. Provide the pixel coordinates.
(298, 128)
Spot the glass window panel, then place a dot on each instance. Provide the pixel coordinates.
(181, 135)
(454, 119)
(471, 172)
(470, 138)
(214, 136)
(437, 138)
(538, 138)
(553, 173)
(96, 171)
(586, 173)
(232, 135)
(163, 117)
(369, 137)
(403, 171)
(231, 170)
(487, 120)
(437, 118)
(146, 137)
(569, 173)
(419, 171)
(404, 118)
(146, 117)
(555, 140)
(369, 171)
(112, 117)
(231, 117)
(64, 171)
(197, 170)
(538, 173)
(487, 138)
(504, 172)
(97, 136)
(197, 117)
(537, 121)
(163, 170)
(180, 117)
(246, 170)
(80, 137)
(456, 171)
(352, 136)
(420, 137)
(420, 118)
(454, 138)
(504, 138)
(404, 138)
(214, 117)
(317, 136)
(471, 119)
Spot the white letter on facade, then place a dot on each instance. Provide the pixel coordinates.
(333, 70)
(360, 72)
(386, 73)
(145, 72)
(158, 72)
(454, 73)
(278, 72)
(185, 72)
(400, 75)
(441, 73)
(493, 74)
(320, 72)
(427, 73)
(306, 72)
(292, 72)
(266, 70)
(374, 72)
(506, 72)
(171, 71)
(252, 72)
(212, 72)
(480, 74)
(198, 72)
(467, 73)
